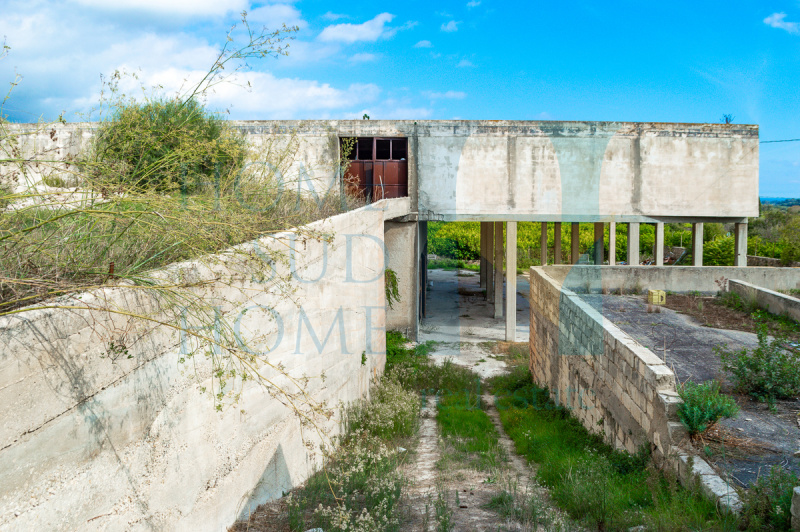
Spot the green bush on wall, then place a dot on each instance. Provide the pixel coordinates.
(168, 144)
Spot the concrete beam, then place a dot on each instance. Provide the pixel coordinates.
(612, 243)
(557, 243)
(658, 252)
(633, 244)
(575, 242)
(498, 270)
(598, 243)
(543, 244)
(697, 244)
(740, 246)
(511, 281)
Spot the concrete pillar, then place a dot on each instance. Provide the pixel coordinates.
(740, 246)
(598, 243)
(633, 243)
(543, 244)
(575, 243)
(511, 281)
(612, 243)
(795, 509)
(659, 251)
(697, 244)
(557, 243)
(483, 256)
(490, 261)
(498, 269)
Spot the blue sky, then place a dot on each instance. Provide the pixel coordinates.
(472, 59)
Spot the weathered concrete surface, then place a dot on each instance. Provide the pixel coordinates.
(610, 382)
(96, 439)
(514, 170)
(796, 509)
(401, 249)
(679, 279)
(771, 301)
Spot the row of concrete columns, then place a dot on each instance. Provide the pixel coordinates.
(740, 258)
(491, 260)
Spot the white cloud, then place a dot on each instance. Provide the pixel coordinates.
(464, 63)
(274, 16)
(262, 95)
(363, 58)
(449, 95)
(473, 3)
(776, 20)
(450, 26)
(180, 7)
(370, 30)
(333, 16)
(423, 44)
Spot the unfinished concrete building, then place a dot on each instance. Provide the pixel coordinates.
(68, 415)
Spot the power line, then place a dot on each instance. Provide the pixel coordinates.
(786, 140)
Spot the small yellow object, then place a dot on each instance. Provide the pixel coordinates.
(656, 297)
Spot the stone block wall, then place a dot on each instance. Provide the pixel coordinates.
(612, 384)
(96, 437)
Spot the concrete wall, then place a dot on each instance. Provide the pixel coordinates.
(612, 384)
(755, 260)
(771, 301)
(401, 248)
(93, 438)
(523, 170)
(679, 279)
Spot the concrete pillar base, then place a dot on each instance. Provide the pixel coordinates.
(697, 244)
(498, 270)
(575, 243)
(658, 252)
(511, 281)
(740, 246)
(633, 244)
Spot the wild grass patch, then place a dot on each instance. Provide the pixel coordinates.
(603, 488)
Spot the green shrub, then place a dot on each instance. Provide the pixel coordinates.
(767, 504)
(768, 372)
(391, 412)
(168, 145)
(719, 252)
(703, 405)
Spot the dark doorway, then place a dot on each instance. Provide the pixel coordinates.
(378, 167)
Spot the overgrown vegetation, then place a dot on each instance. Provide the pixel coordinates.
(767, 503)
(359, 487)
(703, 405)
(769, 372)
(603, 488)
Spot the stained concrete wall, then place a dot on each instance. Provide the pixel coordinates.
(611, 383)
(522, 170)
(401, 249)
(769, 300)
(679, 279)
(92, 438)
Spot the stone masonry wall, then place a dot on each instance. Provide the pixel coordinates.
(92, 437)
(612, 384)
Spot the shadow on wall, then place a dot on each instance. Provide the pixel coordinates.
(274, 482)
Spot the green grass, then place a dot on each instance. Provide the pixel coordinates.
(470, 436)
(414, 370)
(603, 488)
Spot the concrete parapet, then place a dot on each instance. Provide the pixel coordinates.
(678, 279)
(769, 300)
